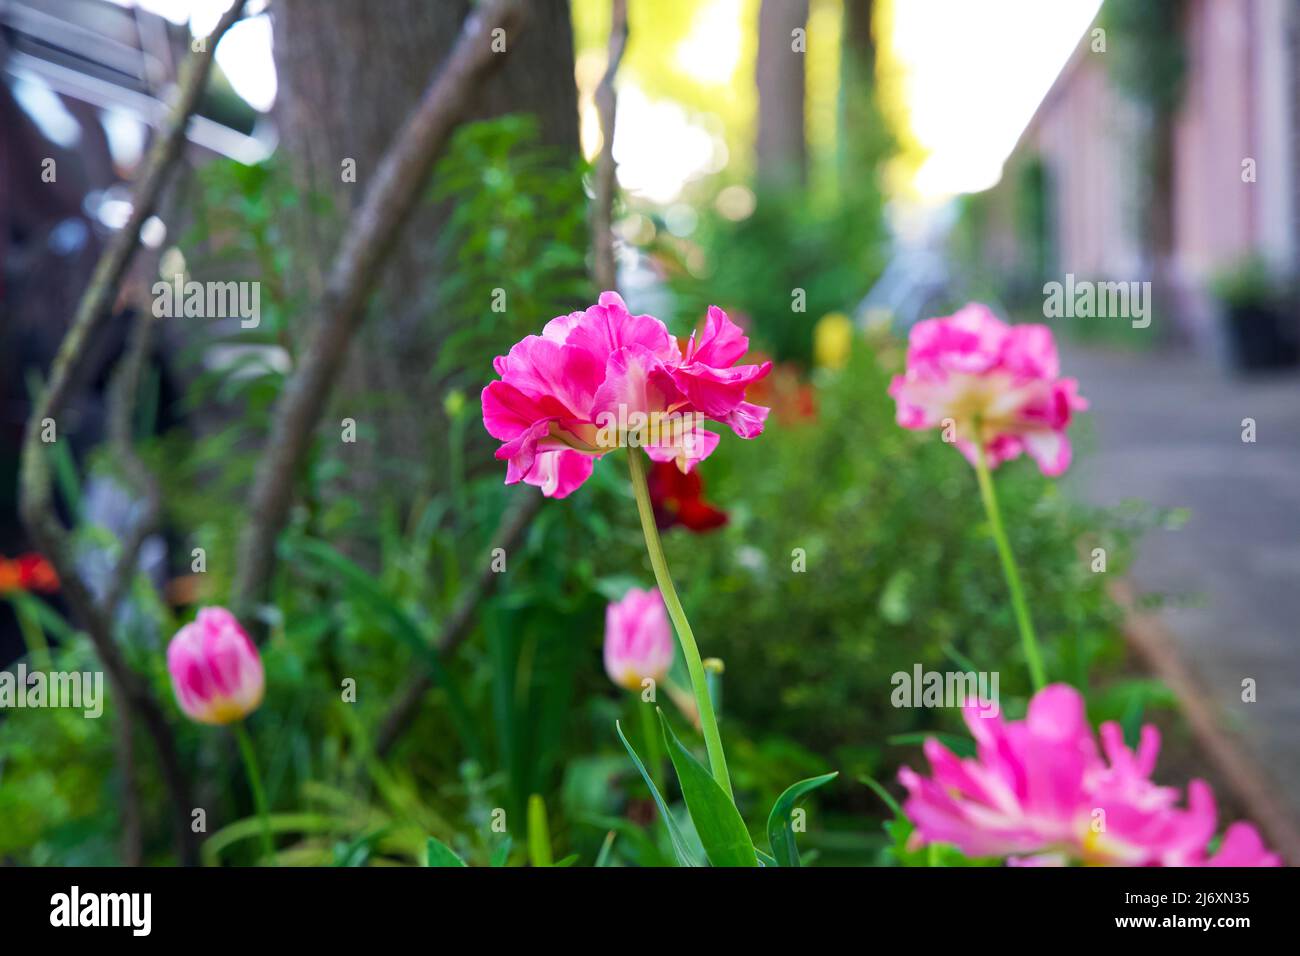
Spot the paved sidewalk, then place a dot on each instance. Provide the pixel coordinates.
(1167, 429)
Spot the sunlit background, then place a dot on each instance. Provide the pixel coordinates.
(957, 98)
(245, 52)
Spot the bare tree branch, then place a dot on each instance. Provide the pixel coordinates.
(132, 833)
(372, 232)
(604, 264)
(460, 622)
(36, 503)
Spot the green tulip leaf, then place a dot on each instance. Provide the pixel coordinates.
(442, 855)
(539, 833)
(780, 832)
(606, 848)
(680, 847)
(717, 821)
(501, 855)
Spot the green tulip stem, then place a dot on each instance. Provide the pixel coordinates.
(1009, 569)
(255, 784)
(699, 681)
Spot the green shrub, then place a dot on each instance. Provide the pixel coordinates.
(900, 569)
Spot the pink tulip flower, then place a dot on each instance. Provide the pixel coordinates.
(638, 639)
(997, 385)
(1040, 793)
(215, 669)
(597, 380)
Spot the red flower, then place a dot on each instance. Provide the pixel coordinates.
(677, 499)
(27, 572)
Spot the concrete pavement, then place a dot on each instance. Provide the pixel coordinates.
(1167, 429)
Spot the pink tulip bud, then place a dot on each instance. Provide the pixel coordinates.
(215, 669)
(638, 639)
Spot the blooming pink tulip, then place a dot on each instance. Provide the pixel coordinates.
(638, 639)
(215, 669)
(1040, 787)
(997, 384)
(596, 380)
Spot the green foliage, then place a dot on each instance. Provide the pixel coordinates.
(240, 228)
(1145, 52)
(515, 242)
(681, 847)
(717, 821)
(58, 775)
(753, 268)
(1249, 283)
(1034, 218)
(439, 854)
(901, 570)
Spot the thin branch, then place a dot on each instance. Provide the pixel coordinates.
(459, 623)
(370, 235)
(132, 833)
(36, 503)
(604, 263)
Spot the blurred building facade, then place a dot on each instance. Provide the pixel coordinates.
(1073, 193)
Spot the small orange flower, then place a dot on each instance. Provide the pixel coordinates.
(27, 572)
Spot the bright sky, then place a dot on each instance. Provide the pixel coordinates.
(975, 72)
(711, 51)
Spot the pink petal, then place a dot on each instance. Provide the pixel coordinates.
(560, 473)
(1030, 351)
(540, 367)
(717, 391)
(607, 327)
(509, 413)
(635, 381)
(720, 344)
(747, 419)
(1050, 449)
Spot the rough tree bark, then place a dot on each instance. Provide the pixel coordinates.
(861, 138)
(349, 74)
(781, 149)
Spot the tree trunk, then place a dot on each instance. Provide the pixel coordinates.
(862, 139)
(349, 73)
(859, 45)
(781, 150)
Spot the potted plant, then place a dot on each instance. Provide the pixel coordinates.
(1258, 315)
